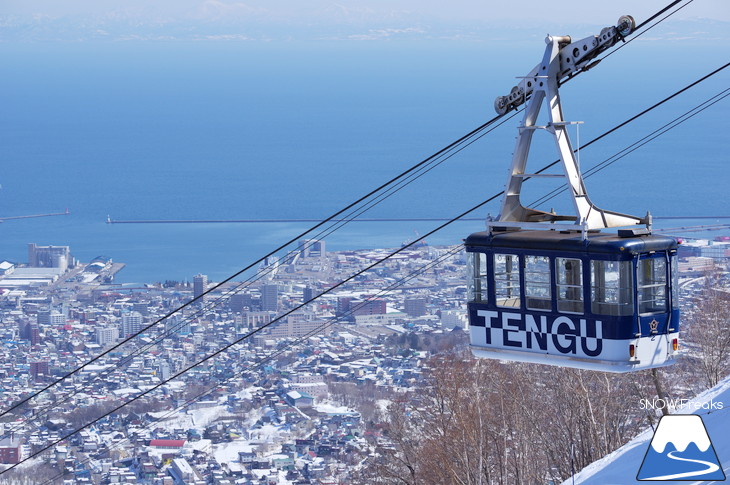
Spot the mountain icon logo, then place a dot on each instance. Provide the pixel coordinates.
(680, 450)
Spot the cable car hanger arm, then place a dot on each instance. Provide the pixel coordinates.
(562, 58)
(574, 57)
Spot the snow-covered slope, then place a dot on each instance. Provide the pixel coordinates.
(621, 466)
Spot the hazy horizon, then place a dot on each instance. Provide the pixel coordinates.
(326, 20)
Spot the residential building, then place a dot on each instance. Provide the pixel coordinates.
(39, 370)
(131, 323)
(415, 307)
(107, 335)
(368, 307)
(10, 450)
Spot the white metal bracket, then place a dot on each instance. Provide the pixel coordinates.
(543, 85)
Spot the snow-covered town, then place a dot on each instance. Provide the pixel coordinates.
(267, 410)
(282, 401)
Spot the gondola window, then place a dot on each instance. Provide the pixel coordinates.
(612, 288)
(507, 280)
(478, 284)
(652, 280)
(537, 283)
(570, 285)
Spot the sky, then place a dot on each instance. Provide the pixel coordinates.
(48, 20)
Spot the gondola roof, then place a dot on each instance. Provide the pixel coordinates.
(572, 241)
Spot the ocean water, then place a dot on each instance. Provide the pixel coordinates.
(211, 130)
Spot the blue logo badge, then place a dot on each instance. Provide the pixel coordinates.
(680, 450)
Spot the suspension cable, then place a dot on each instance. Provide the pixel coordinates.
(638, 115)
(639, 143)
(289, 345)
(251, 333)
(127, 359)
(403, 174)
(219, 285)
(636, 36)
(291, 241)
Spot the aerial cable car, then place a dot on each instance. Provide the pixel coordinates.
(554, 289)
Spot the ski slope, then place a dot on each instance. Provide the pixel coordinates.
(621, 466)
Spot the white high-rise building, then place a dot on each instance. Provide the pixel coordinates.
(47, 317)
(107, 335)
(164, 370)
(131, 323)
(312, 248)
(250, 320)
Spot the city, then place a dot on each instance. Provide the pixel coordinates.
(241, 382)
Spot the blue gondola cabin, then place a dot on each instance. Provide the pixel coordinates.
(604, 302)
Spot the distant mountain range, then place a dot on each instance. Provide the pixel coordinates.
(333, 22)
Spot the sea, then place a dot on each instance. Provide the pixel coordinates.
(234, 130)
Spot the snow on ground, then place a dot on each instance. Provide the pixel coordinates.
(29, 464)
(622, 466)
(228, 452)
(176, 420)
(247, 393)
(331, 408)
(301, 413)
(197, 419)
(162, 414)
(269, 433)
(88, 277)
(281, 476)
(282, 479)
(174, 386)
(383, 404)
(203, 417)
(203, 445)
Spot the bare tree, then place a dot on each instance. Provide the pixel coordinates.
(482, 422)
(38, 473)
(708, 331)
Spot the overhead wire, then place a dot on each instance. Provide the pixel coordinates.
(707, 227)
(638, 115)
(662, 11)
(645, 140)
(641, 142)
(545, 198)
(678, 121)
(333, 216)
(219, 285)
(211, 290)
(414, 168)
(124, 360)
(248, 335)
(127, 359)
(447, 154)
(292, 344)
